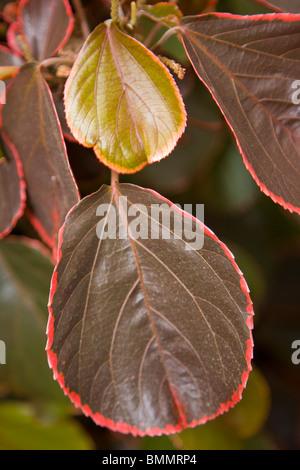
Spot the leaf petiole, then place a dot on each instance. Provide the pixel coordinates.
(163, 39)
(114, 178)
(82, 18)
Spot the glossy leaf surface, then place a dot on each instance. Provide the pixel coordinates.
(122, 101)
(12, 187)
(251, 66)
(38, 140)
(46, 25)
(147, 336)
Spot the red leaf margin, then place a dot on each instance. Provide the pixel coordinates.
(17, 28)
(120, 426)
(288, 17)
(169, 146)
(11, 37)
(22, 186)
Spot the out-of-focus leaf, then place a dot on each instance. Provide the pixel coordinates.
(229, 432)
(195, 7)
(157, 443)
(167, 13)
(212, 436)
(15, 40)
(46, 25)
(250, 415)
(25, 275)
(146, 336)
(122, 101)
(9, 59)
(9, 63)
(250, 65)
(20, 429)
(12, 187)
(205, 138)
(7, 71)
(291, 6)
(233, 188)
(31, 123)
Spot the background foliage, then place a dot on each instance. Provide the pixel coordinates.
(205, 167)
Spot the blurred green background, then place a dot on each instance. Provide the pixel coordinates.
(207, 168)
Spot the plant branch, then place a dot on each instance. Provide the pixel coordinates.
(55, 61)
(82, 18)
(163, 39)
(154, 31)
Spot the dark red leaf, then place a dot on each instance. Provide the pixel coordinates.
(146, 336)
(251, 65)
(58, 99)
(13, 37)
(46, 25)
(291, 6)
(12, 187)
(31, 123)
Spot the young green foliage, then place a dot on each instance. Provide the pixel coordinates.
(122, 101)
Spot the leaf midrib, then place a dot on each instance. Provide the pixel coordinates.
(147, 303)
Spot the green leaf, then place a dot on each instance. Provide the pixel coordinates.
(232, 430)
(205, 137)
(25, 275)
(22, 429)
(7, 72)
(167, 13)
(122, 101)
(250, 415)
(147, 334)
(10, 63)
